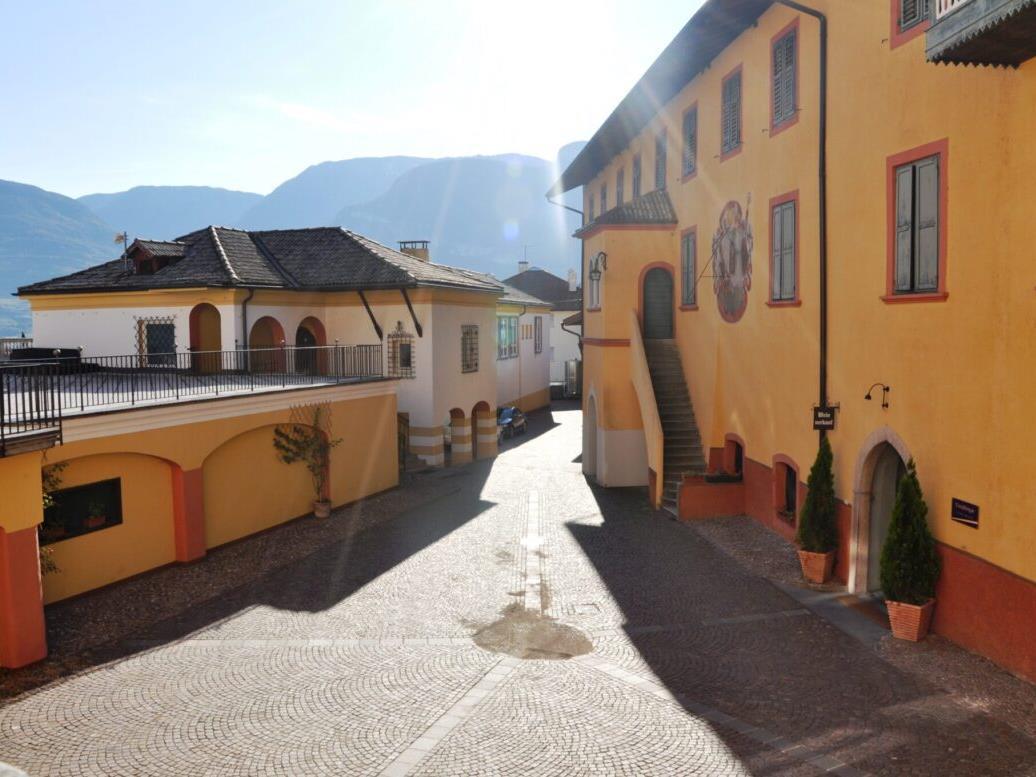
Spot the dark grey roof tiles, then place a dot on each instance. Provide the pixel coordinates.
(651, 208)
(545, 286)
(321, 258)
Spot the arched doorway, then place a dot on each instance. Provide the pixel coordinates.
(308, 336)
(879, 468)
(888, 469)
(205, 338)
(266, 343)
(590, 438)
(479, 413)
(657, 304)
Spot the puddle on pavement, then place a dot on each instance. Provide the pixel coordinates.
(528, 634)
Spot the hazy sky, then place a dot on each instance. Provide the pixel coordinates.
(104, 95)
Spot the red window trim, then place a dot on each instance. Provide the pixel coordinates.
(793, 26)
(898, 36)
(780, 199)
(689, 231)
(724, 156)
(684, 178)
(940, 148)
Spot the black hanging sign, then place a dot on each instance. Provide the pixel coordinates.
(964, 512)
(823, 419)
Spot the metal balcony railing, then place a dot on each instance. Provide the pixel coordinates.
(33, 392)
(943, 7)
(8, 344)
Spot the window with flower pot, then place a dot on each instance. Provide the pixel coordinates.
(82, 509)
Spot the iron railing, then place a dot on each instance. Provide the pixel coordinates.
(30, 403)
(34, 389)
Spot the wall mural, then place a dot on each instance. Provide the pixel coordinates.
(732, 260)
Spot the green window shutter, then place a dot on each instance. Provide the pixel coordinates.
(776, 243)
(690, 141)
(660, 160)
(732, 113)
(904, 227)
(689, 267)
(784, 86)
(926, 255)
(788, 250)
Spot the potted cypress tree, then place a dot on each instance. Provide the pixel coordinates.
(309, 442)
(817, 534)
(910, 564)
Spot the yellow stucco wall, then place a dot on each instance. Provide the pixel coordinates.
(144, 539)
(961, 370)
(246, 488)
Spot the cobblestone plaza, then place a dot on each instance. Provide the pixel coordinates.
(504, 617)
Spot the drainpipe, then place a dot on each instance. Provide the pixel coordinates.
(820, 17)
(244, 325)
(582, 269)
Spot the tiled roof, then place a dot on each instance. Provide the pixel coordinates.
(651, 208)
(322, 258)
(576, 319)
(510, 294)
(546, 286)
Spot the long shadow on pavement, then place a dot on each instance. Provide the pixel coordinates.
(311, 583)
(786, 672)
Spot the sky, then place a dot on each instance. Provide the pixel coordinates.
(106, 95)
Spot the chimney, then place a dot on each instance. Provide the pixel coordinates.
(572, 280)
(523, 266)
(415, 248)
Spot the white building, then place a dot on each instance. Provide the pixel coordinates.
(565, 299)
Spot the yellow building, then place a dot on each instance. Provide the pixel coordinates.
(149, 407)
(732, 291)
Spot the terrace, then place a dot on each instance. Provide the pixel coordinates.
(36, 393)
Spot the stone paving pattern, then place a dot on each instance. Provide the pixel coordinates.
(344, 647)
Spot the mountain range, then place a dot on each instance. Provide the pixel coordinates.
(482, 212)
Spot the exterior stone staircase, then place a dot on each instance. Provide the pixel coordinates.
(682, 448)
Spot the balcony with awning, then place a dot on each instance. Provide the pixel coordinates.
(982, 32)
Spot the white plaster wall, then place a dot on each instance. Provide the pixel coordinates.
(565, 346)
(453, 388)
(622, 458)
(529, 372)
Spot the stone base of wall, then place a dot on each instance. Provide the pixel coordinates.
(699, 499)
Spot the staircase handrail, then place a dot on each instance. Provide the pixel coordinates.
(653, 436)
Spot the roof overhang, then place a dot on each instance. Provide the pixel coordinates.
(716, 25)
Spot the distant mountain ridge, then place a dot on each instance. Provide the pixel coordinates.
(43, 234)
(164, 212)
(481, 212)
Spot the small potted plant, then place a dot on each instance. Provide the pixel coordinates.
(96, 517)
(910, 563)
(817, 534)
(309, 441)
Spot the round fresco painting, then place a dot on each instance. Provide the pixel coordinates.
(732, 261)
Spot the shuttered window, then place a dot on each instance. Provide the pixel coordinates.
(917, 227)
(688, 269)
(636, 176)
(690, 142)
(660, 159)
(538, 334)
(785, 88)
(590, 209)
(604, 198)
(913, 12)
(620, 184)
(783, 282)
(732, 113)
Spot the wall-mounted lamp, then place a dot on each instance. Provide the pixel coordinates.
(884, 393)
(598, 265)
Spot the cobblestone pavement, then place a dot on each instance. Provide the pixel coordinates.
(346, 647)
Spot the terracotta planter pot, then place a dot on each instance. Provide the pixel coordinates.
(816, 567)
(95, 521)
(910, 621)
(322, 509)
